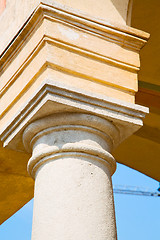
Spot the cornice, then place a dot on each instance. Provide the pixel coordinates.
(124, 115)
(125, 36)
(92, 55)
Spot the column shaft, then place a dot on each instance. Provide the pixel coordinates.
(73, 200)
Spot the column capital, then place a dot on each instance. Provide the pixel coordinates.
(67, 134)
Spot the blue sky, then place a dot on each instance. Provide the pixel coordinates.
(137, 217)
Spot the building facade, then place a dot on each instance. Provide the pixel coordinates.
(73, 101)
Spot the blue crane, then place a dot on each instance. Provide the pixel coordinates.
(124, 189)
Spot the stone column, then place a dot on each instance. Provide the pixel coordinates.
(72, 167)
(67, 96)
